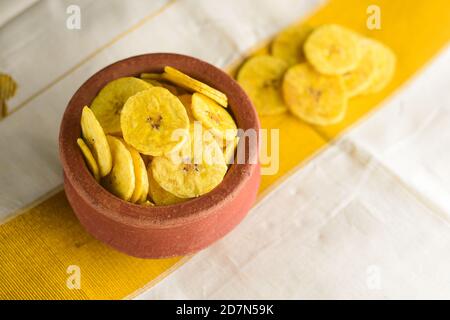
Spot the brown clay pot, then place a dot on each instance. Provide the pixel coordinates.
(161, 231)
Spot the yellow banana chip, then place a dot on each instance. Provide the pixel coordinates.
(313, 97)
(108, 104)
(194, 175)
(160, 196)
(156, 83)
(229, 150)
(333, 49)
(150, 120)
(184, 81)
(288, 45)
(148, 203)
(90, 161)
(212, 116)
(151, 76)
(121, 180)
(140, 173)
(384, 69)
(261, 78)
(95, 138)
(8, 87)
(359, 79)
(186, 100)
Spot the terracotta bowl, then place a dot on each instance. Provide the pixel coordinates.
(162, 231)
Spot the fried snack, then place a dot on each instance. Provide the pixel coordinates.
(121, 180)
(288, 45)
(95, 139)
(212, 116)
(261, 78)
(333, 49)
(140, 172)
(148, 203)
(149, 120)
(196, 174)
(151, 76)
(315, 98)
(90, 161)
(108, 104)
(229, 150)
(160, 196)
(385, 64)
(186, 100)
(359, 79)
(8, 89)
(184, 81)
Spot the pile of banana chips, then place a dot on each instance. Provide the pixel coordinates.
(313, 72)
(159, 139)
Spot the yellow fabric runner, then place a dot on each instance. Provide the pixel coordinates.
(37, 247)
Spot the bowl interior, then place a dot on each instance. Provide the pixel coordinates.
(108, 204)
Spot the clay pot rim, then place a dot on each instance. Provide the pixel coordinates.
(136, 215)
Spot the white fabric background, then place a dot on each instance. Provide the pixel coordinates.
(366, 218)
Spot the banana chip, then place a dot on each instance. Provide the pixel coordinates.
(148, 203)
(90, 161)
(288, 45)
(212, 116)
(333, 49)
(384, 69)
(121, 180)
(150, 119)
(196, 174)
(160, 196)
(141, 179)
(315, 98)
(186, 100)
(261, 78)
(108, 104)
(95, 138)
(151, 76)
(184, 81)
(359, 79)
(229, 150)
(8, 87)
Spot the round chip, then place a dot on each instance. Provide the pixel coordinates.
(95, 138)
(8, 87)
(160, 196)
(315, 98)
(333, 49)
(183, 80)
(90, 161)
(288, 45)
(196, 174)
(108, 104)
(140, 173)
(359, 79)
(261, 78)
(121, 180)
(212, 116)
(384, 69)
(229, 150)
(150, 119)
(186, 100)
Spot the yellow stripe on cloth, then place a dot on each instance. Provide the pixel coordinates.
(37, 247)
